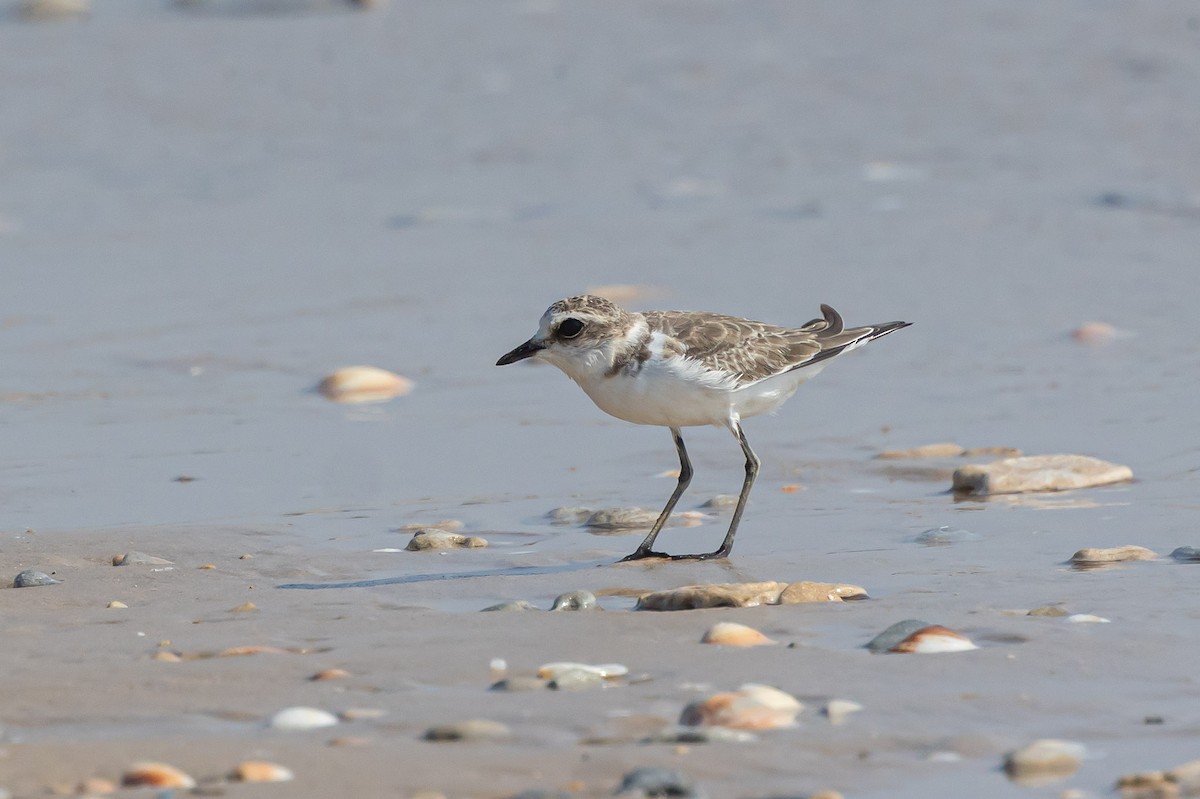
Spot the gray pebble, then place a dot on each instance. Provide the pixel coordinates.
(654, 781)
(721, 502)
(575, 600)
(569, 515)
(945, 536)
(29, 578)
(516, 604)
(1186, 554)
(895, 634)
(472, 730)
(614, 519)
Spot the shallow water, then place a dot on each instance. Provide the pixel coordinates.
(204, 213)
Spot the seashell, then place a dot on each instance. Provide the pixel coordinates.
(838, 710)
(164, 656)
(1094, 333)
(721, 502)
(96, 786)
(294, 719)
(135, 558)
(261, 771)
(608, 671)
(471, 730)
(156, 775)
(430, 538)
(934, 639)
(1112, 554)
(245, 607)
(329, 674)
(1044, 761)
(730, 633)
(745, 595)
(1037, 473)
(362, 713)
(751, 707)
(207, 567)
(355, 384)
(1087, 618)
(620, 519)
(116, 603)
(575, 600)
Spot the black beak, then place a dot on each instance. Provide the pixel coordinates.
(527, 350)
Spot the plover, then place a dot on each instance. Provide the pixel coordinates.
(681, 369)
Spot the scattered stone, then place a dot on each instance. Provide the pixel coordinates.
(1047, 610)
(297, 719)
(620, 519)
(516, 684)
(46, 10)
(751, 707)
(679, 734)
(96, 786)
(1044, 761)
(656, 782)
(355, 384)
(431, 538)
(207, 567)
(943, 450)
(246, 556)
(569, 515)
(721, 502)
(944, 536)
(245, 607)
(31, 577)
(449, 525)
(471, 730)
(1037, 473)
(1186, 554)
(116, 603)
(575, 600)
(261, 771)
(1086, 618)
(362, 713)
(1147, 785)
(920, 637)
(329, 674)
(730, 633)
(156, 775)
(607, 671)
(838, 710)
(135, 558)
(517, 604)
(1094, 333)
(744, 595)
(1112, 554)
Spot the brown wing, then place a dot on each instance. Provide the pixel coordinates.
(752, 351)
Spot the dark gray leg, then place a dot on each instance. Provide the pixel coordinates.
(685, 476)
(752, 464)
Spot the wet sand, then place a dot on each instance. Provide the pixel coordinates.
(207, 211)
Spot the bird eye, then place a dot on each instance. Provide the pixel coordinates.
(570, 328)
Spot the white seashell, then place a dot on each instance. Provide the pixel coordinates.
(261, 771)
(302, 718)
(157, 775)
(1085, 618)
(354, 384)
(730, 633)
(608, 671)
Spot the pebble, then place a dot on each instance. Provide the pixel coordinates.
(431, 538)
(751, 707)
(44, 10)
(916, 636)
(116, 603)
(1037, 473)
(944, 536)
(575, 514)
(745, 595)
(245, 607)
(1044, 761)
(576, 680)
(356, 384)
(295, 719)
(1094, 333)
(575, 600)
(362, 713)
(730, 633)
(607, 671)
(30, 578)
(329, 674)
(156, 775)
(721, 502)
(655, 782)
(1047, 610)
(135, 558)
(516, 684)
(1112, 554)
(1186, 554)
(942, 450)
(613, 519)
(838, 710)
(261, 771)
(471, 730)
(517, 604)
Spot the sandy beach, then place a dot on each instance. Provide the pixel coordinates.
(209, 206)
